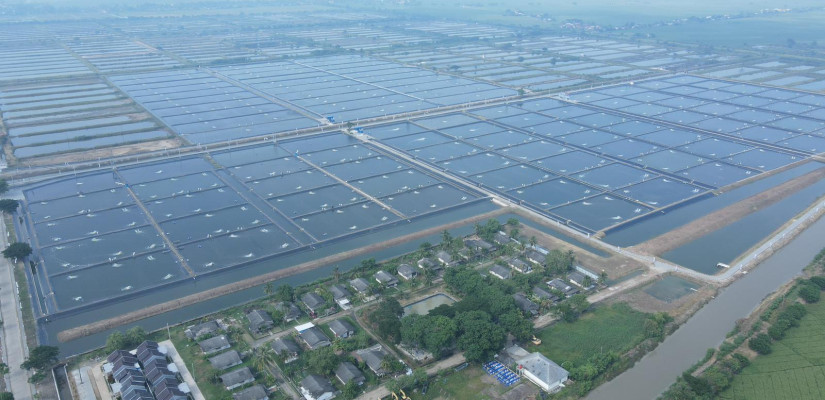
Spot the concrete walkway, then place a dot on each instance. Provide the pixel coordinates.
(172, 352)
(15, 350)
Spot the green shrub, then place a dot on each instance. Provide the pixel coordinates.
(761, 344)
(810, 293)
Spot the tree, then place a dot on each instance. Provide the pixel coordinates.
(4, 369)
(322, 361)
(446, 239)
(513, 222)
(6, 396)
(479, 337)
(135, 336)
(392, 365)
(41, 358)
(816, 280)
(351, 390)
(603, 278)
(269, 289)
(262, 357)
(387, 321)
(810, 293)
(8, 206)
(533, 242)
(760, 343)
(17, 250)
(285, 292)
(115, 341)
(4, 186)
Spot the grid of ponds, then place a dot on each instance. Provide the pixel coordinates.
(96, 242)
(59, 117)
(115, 54)
(753, 124)
(38, 61)
(354, 87)
(460, 29)
(777, 73)
(204, 109)
(584, 166)
(357, 37)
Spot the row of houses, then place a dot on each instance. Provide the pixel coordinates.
(144, 373)
(318, 387)
(226, 360)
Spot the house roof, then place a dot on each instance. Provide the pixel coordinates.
(225, 360)
(579, 278)
(360, 284)
(282, 344)
(518, 264)
(373, 357)
(535, 256)
(195, 331)
(543, 294)
(257, 392)
(425, 263)
(339, 292)
(525, 304)
(290, 310)
(341, 327)
(214, 344)
(314, 337)
(406, 271)
(347, 371)
(313, 300)
(259, 319)
(236, 377)
(317, 385)
(385, 278)
(561, 285)
(501, 272)
(543, 368)
(444, 257)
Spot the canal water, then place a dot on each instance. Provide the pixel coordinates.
(707, 328)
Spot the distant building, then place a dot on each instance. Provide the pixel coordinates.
(540, 370)
(237, 378)
(361, 286)
(407, 272)
(581, 280)
(444, 258)
(520, 266)
(290, 310)
(426, 263)
(525, 304)
(544, 295)
(214, 345)
(347, 372)
(259, 321)
(501, 238)
(373, 357)
(563, 287)
(286, 347)
(500, 272)
(257, 392)
(314, 302)
(195, 332)
(386, 279)
(225, 360)
(479, 245)
(341, 328)
(339, 292)
(535, 257)
(317, 387)
(314, 338)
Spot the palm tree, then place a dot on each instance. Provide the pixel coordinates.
(269, 289)
(262, 357)
(533, 242)
(337, 274)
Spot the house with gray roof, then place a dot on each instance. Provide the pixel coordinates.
(290, 310)
(259, 321)
(314, 338)
(372, 357)
(197, 331)
(544, 295)
(525, 305)
(341, 328)
(581, 280)
(478, 245)
(535, 257)
(237, 378)
(317, 387)
(257, 392)
(225, 360)
(361, 285)
(501, 238)
(287, 347)
(347, 372)
(519, 266)
(314, 302)
(339, 292)
(385, 279)
(407, 272)
(426, 263)
(214, 345)
(500, 272)
(444, 258)
(540, 370)
(563, 287)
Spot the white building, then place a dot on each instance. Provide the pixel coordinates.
(542, 371)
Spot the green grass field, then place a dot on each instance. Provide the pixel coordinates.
(609, 328)
(464, 385)
(794, 370)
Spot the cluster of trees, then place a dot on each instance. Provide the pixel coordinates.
(572, 308)
(488, 230)
(126, 341)
(17, 250)
(655, 325)
(386, 319)
(585, 374)
(40, 360)
(713, 381)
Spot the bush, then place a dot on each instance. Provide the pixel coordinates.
(743, 361)
(810, 293)
(818, 281)
(779, 328)
(761, 344)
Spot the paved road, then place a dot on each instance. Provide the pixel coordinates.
(14, 348)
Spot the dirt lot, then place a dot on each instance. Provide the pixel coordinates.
(102, 153)
(721, 218)
(683, 306)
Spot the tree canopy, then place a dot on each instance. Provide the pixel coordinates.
(41, 358)
(17, 250)
(9, 206)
